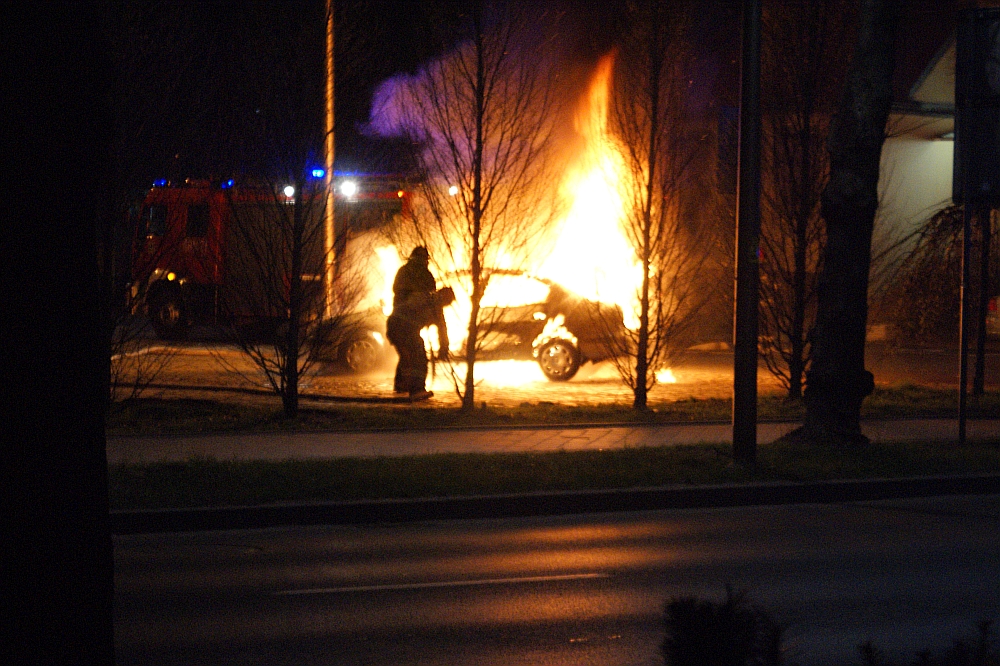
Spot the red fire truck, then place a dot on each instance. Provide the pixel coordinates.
(194, 262)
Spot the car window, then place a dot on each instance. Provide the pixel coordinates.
(507, 291)
(155, 217)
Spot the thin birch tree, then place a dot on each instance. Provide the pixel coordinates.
(648, 118)
(275, 248)
(805, 44)
(481, 119)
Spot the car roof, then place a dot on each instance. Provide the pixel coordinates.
(506, 271)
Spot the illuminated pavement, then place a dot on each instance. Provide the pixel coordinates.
(499, 383)
(699, 375)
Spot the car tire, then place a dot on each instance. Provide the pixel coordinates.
(559, 359)
(168, 316)
(361, 355)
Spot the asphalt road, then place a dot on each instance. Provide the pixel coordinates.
(577, 590)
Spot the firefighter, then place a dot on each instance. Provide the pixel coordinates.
(416, 304)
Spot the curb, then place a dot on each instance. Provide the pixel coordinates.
(545, 504)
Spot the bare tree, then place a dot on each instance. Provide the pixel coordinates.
(481, 118)
(805, 46)
(923, 300)
(275, 292)
(659, 147)
(155, 49)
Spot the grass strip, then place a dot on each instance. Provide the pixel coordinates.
(154, 416)
(209, 482)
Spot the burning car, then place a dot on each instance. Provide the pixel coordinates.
(522, 317)
(532, 318)
(360, 344)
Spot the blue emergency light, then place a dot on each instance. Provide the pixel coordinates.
(318, 173)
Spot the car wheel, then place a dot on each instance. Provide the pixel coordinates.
(361, 355)
(559, 359)
(166, 312)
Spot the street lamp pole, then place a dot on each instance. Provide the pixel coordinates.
(747, 243)
(329, 226)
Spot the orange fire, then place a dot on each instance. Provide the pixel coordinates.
(591, 254)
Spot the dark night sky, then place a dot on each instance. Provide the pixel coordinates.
(224, 64)
(236, 63)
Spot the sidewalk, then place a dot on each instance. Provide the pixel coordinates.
(321, 445)
(306, 445)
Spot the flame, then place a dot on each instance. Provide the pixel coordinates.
(592, 256)
(666, 376)
(509, 373)
(554, 328)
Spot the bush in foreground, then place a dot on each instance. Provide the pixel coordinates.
(735, 633)
(730, 633)
(978, 651)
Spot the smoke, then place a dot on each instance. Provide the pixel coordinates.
(566, 37)
(389, 100)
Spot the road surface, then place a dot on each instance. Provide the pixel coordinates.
(577, 590)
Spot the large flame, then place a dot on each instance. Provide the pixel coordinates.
(591, 254)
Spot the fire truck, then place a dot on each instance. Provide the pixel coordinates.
(195, 263)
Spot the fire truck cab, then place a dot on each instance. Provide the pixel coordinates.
(186, 255)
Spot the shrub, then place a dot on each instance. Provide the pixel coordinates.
(976, 652)
(730, 633)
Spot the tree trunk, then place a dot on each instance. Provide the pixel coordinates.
(290, 394)
(837, 381)
(798, 360)
(469, 397)
(642, 369)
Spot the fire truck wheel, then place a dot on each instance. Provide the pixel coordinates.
(559, 359)
(360, 355)
(166, 311)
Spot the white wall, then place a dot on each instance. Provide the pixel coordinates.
(915, 181)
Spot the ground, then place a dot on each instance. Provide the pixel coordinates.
(702, 374)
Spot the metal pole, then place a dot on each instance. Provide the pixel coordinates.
(747, 243)
(963, 321)
(329, 226)
(985, 233)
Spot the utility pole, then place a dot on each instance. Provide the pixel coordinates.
(963, 318)
(747, 243)
(977, 165)
(329, 219)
